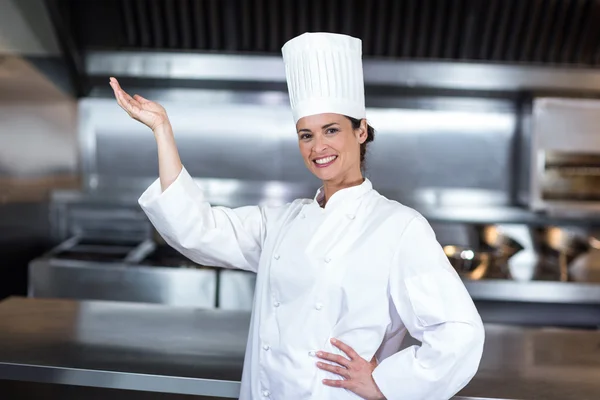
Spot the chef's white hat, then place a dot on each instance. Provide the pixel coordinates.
(324, 75)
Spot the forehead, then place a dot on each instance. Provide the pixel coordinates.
(314, 122)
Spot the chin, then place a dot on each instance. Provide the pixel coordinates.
(324, 175)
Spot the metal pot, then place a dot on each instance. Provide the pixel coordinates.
(586, 267)
(487, 258)
(558, 247)
(467, 262)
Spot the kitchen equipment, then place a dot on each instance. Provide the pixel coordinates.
(557, 248)
(586, 267)
(101, 268)
(468, 262)
(487, 258)
(565, 156)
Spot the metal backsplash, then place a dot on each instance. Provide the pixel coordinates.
(432, 151)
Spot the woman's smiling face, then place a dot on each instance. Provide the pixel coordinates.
(330, 146)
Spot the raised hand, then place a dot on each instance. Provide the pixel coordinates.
(151, 114)
(356, 371)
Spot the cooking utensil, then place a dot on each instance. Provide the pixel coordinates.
(558, 247)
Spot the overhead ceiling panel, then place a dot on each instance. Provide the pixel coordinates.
(547, 32)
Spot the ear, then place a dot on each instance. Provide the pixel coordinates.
(362, 131)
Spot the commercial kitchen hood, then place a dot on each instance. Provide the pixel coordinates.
(495, 45)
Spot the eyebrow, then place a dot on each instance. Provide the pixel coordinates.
(323, 127)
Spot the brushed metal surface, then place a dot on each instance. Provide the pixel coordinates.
(187, 350)
(439, 75)
(534, 291)
(68, 279)
(239, 149)
(236, 290)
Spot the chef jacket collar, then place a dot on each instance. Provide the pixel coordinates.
(346, 197)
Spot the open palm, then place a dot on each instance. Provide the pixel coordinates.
(151, 114)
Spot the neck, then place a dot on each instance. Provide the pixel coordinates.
(330, 187)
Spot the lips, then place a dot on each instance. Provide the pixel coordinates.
(324, 161)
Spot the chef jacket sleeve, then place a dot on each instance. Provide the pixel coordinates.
(436, 309)
(208, 235)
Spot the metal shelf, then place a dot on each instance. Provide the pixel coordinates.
(534, 291)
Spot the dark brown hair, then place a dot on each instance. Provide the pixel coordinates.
(370, 137)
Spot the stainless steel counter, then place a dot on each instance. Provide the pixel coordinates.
(155, 348)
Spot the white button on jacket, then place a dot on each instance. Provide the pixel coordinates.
(386, 275)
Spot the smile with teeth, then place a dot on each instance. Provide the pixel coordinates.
(325, 160)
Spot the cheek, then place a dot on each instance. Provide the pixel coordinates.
(342, 145)
(304, 149)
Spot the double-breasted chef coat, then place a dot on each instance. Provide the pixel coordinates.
(363, 269)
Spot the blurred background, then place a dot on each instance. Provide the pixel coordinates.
(486, 113)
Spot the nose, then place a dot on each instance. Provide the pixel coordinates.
(319, 144)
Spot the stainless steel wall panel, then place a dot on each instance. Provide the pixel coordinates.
(247, 147)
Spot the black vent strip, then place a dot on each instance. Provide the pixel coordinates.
(585, 27)
(491, 12)
(596, 59)
(425, 6)
(515, 34)
(382, 28)
(452, 44)
(198, 24)
(573, 35)
(367, 29)
(316, 15)
(333, 15)
(408, 21)
(231, 19)
(545, 32)
(473, 19)
(582, 49)
(505, 13)
(185, 23)
(130, 23)
(348, 16)
(171, 24)
(273, 25)
(595, 36)
(302, 21)
(246, 8)
(554, 32)
(156, 23)
(215, 24)
(142, 19)
(555, 38)
(395, 28)
(533, 22)
(439, 22)
(565, 10)
(288, 20)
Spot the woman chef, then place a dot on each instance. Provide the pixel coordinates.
(341, 277)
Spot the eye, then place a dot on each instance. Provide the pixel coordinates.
(331, 131)
(305, 136)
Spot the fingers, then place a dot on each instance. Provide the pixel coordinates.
(343, 361)
(335, 369)
(337, 383)
(127, 103)
(141, 99)
(117, 88)
(118, 93)
(349, 351)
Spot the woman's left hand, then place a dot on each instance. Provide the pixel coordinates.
(356, 371)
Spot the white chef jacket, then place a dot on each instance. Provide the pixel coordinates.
(363, 269)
